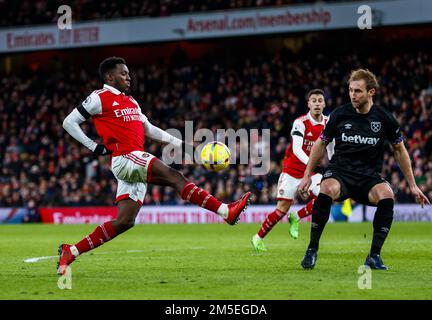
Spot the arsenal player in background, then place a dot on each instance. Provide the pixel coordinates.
(122, 126)
(305, 130)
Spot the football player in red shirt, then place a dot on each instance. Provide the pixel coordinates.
(121, 125)
(305, 130)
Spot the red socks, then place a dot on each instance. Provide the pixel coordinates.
(307, 209)
(101, 234)
(277, 215)
(270, 221)
(199, 196)
(106, 231)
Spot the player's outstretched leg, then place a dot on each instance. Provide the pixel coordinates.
(164, 175)
(236, 208)
(128, 210)
(295, 217)
(65, 258)
(68, 253)
(270, 221)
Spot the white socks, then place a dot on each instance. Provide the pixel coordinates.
(223, 210)
(74, 251)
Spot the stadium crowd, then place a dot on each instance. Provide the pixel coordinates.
(40, 162)
(29, 12)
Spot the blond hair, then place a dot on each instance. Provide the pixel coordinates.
(367, 76)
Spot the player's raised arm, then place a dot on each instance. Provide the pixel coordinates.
(402, 157)
(81, 113)
(394, 135)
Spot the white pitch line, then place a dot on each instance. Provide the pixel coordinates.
(37, 259)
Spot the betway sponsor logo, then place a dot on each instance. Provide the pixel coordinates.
(359, 139)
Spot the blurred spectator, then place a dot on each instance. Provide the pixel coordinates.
(39, 162)
(32, 214)
(26, 12)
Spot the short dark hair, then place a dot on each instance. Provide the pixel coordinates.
(109, 64)
(315, 91)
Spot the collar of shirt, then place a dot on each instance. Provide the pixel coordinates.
(314, 122)
(112, 89)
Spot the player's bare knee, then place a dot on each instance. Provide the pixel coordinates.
(330, 190)
(283, 205)
(388, 195)
(381, 192)
(178, 180)
(125, 223)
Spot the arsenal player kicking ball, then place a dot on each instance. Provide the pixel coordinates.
(122, 126)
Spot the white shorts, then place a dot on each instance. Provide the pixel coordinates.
(132, 171)
(287, 186)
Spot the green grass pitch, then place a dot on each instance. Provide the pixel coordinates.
(215, 261)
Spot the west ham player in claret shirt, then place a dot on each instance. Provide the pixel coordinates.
(121, 125)
(305, 130)
(360, 130)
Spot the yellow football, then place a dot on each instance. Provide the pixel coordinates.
(215, 156)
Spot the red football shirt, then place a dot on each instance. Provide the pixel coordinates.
(118, 120)
(310, 130)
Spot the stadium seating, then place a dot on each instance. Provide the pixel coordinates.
(40, 162)
(18, 13)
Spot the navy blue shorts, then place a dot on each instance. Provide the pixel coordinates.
(353, 185)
